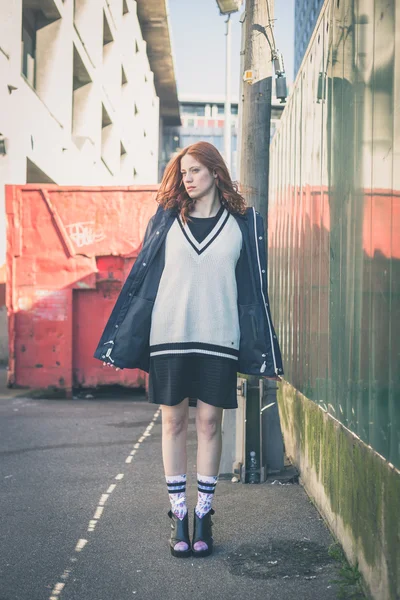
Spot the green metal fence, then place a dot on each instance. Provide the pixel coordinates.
(334, 221)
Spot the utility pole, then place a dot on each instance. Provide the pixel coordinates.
(256, 105)
(263, 432)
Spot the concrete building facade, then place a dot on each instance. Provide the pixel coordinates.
(85, 86)
(203, 119)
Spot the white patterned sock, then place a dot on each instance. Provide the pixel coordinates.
(176, 485)
(206, 489)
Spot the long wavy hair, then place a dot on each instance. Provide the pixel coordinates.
(172, 192)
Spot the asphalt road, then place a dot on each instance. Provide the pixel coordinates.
(84, 514)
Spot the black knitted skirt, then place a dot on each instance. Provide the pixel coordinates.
(174, 377)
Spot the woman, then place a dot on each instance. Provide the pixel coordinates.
(193, 312)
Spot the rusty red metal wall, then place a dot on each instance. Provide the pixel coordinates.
(69, 250)
(334, 224)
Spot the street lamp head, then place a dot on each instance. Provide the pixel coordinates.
(226, 7)
(3, 145)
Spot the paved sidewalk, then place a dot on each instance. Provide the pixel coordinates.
(58, 460)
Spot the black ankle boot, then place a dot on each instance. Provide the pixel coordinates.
(202, 533)
(179, 533)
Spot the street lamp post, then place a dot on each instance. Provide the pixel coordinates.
(227, 109)
(232, 421)
(227, 7)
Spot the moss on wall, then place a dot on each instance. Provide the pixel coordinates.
(362, 488)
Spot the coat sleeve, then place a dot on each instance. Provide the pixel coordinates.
(263, 268)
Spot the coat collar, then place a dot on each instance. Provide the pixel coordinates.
(174, 212)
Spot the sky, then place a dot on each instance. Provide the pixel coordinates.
(198, 44)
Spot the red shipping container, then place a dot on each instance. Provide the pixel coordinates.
(69, 250)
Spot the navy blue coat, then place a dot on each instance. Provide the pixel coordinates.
(125, 339)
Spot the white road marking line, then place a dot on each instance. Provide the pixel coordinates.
(92, 524)
(66, 573)
(59, 586)
(80, 545)
(98, 512)
(57, 591)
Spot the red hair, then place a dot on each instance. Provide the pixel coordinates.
(172, 192)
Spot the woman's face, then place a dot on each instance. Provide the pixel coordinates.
(197, 178)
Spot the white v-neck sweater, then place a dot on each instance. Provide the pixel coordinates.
(195, 310)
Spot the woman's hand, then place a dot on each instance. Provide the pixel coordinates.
(276, 378)
(110, 365)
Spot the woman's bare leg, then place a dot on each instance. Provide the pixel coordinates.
(174, 434)
(209, 446)
(209, 438)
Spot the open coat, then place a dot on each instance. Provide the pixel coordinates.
(125, 339)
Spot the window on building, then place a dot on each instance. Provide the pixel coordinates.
(105, 117)
(198, 110)
(29, 28)
(36, 175)
(83, 126)
(110, 62)
(106, 138)
(35, 40)
(221, 109)
(123, 155)
(124, 79)
(107, 34)
(80, 75)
